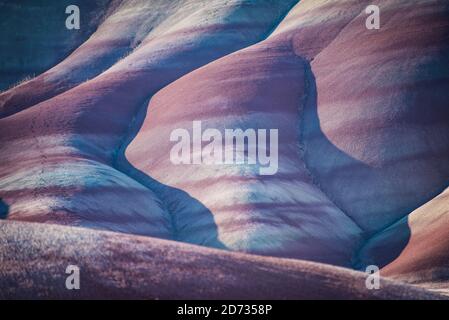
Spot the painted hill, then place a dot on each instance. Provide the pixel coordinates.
(363, 124)
(117, 265)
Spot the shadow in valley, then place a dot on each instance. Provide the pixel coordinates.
(322, 157)
(4, 209)
(182, 207)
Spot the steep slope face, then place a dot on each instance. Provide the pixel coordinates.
(423, 260)
(58, 167)
(33, 36)
(381, 117)
(261, 87)
(122, 266)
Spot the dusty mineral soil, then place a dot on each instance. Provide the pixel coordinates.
(85, 170)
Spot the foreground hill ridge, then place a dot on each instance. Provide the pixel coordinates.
(136, 267)
(101, 161)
